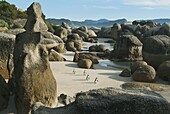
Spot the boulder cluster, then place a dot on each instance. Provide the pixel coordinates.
(25, 54)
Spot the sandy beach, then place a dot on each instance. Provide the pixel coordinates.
(68, 83)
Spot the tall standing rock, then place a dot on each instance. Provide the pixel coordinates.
(33, 76)
(35, 22)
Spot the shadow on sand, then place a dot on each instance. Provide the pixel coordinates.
(116, 76)
(72, 65)
(79, 79)
(88, 82)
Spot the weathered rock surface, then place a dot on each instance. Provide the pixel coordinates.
(91, 34)
(92, 57)
(164, 71)
(33, 76)
(112, 101)
(125, 73)
(74, 42)
(32, 69)
(139, 85)
(7, 46)
(155, 59)
(4, 94)
(156, 49)
(160, 44)
(50, 35)
(105, 32)
(145, 73)
(62, 33)
(55, 56)
(65, 99)
(135, 65)
(128, 47)
(60, 48)
(35, 22)
(14, 31)
(98, 48)
(85, 63)
(115, 31)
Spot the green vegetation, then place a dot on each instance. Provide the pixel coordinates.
(3, 23)
(9, 12)
(50, 27)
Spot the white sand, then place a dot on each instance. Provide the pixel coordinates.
(69, 83)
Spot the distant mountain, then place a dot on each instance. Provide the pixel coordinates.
(59, 21)
(97, 23)
(161, 21)
(89, 23)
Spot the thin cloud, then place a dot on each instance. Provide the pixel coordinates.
(104, 7)
(148, 8)
(154, 3)
(100, 7)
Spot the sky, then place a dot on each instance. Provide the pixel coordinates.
(80, 10)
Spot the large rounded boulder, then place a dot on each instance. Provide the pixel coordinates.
(85, 63)
(92, 57)
(159, 44)
(91, 33)
(145, 73)
(156, 50)
(164, 71)
(62, 33)
(134, 66)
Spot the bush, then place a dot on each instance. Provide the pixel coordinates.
(9, 12)
(3, 23)
(50, 28)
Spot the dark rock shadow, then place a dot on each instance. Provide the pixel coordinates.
(116, 76)
(79, 79)
(88, 82)
(74, 74)
(72, 65)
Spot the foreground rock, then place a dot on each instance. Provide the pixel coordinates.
(112, 101)
(33, 76)
(4, 94)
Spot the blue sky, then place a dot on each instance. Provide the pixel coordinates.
(99, 9)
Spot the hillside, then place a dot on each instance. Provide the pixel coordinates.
(9, 12)
(98, 23)
(89, 23)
